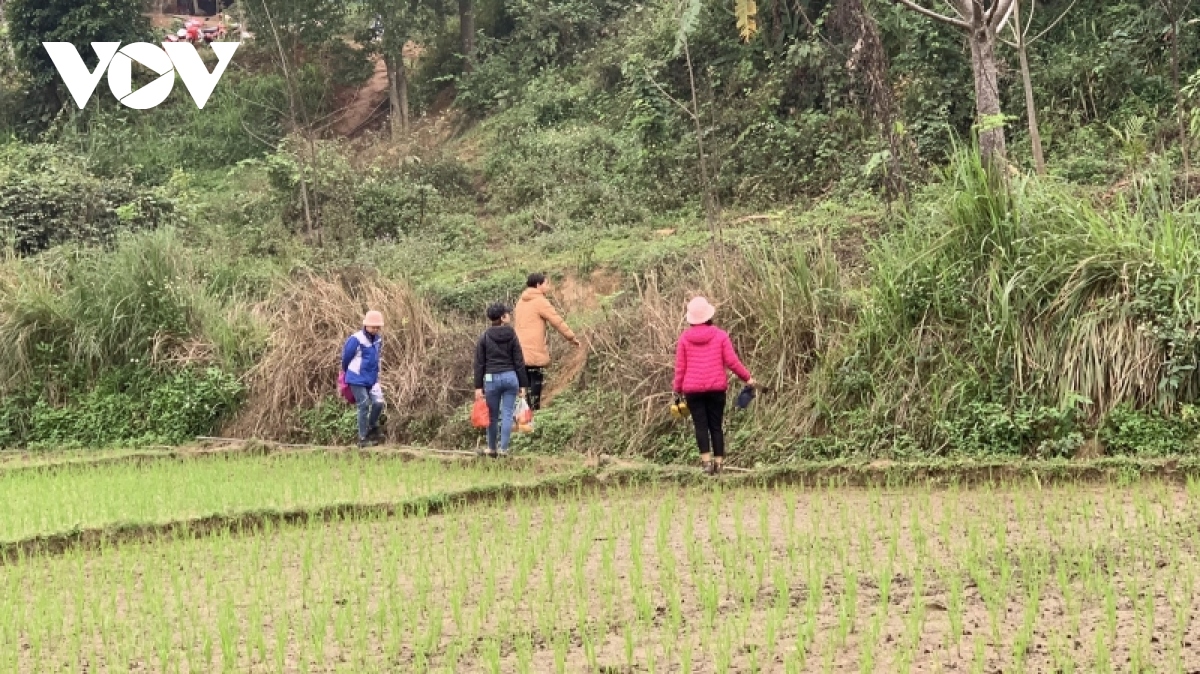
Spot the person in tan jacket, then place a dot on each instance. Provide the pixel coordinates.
(532, 313)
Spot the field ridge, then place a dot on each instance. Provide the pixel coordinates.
(841, 474)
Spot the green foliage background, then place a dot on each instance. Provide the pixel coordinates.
(961, 315)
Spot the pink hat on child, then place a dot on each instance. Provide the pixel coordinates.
(699, 311)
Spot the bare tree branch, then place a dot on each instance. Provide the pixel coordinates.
(957, 23)
(1002, 9)
(997, 9)
(1052, 23)
(956, 9)
(671, 98)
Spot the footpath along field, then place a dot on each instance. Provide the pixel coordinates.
(661, 572)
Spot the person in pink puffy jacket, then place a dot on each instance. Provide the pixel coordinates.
(701, 358)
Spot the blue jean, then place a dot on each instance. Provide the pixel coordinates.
(369, 408)
(501, 395)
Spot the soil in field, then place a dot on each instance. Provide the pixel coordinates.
(1066, 579)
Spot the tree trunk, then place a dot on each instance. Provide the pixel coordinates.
(12, 53)
(987, 93)
(394, 118)
(402, 94)
(466, 27)
(712, 207)
(1035, 135)
(1180, 116)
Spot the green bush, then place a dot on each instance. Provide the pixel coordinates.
(470, 298)
(1133, 432)
(1023, 429)
(47, 198)
(582, 175)
(557, 427)
(390, 206)
(128, 406)
(331, 422)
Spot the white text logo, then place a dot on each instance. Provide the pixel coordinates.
(173, 57)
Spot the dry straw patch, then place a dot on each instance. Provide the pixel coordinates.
(785, 312)
(425, 365)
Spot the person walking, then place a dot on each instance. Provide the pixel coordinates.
(530, 316)
(702, 354)
(360, 365)
(500, 376)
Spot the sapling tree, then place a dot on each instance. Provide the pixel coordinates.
(1176, 11)
(1021, 42)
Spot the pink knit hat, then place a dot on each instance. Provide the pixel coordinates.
(699, 311)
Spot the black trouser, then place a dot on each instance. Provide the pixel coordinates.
(537, 377)
(707, 410)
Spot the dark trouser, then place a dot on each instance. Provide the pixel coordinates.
(708, 409)
(537, 377)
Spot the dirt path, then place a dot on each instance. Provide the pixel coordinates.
(368, 99)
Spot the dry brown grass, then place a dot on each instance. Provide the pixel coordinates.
(781, 326)
(426, 363)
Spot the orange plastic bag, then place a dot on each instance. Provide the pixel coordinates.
(479, 414)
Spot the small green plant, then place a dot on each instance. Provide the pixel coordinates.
(1126, 431)
(133, 406)
(331, 422)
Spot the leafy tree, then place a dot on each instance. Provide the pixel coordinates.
(395, 23)
(981, 21)
(299, 23)
(80, 22)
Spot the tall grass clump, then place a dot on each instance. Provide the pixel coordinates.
(1006, 314)
(87, 310)
(783, 306)
(75, 317)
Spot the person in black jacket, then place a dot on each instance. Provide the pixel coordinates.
(500, 376)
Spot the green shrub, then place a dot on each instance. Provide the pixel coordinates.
(470, 298)
(1128, 431)
(331, 422)
(390, 206)
(47, 198)
(129, 406)
(582, 175)
(1025, 428)
(557, 427)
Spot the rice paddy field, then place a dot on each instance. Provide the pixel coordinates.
(48, 498)
(602, 576)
